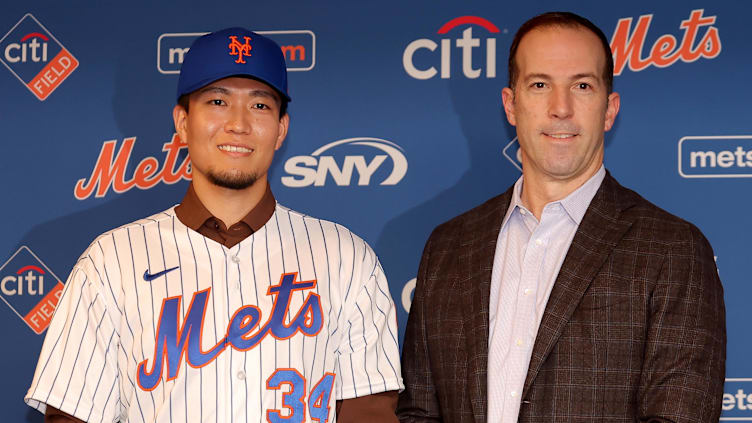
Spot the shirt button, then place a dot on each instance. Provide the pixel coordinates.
(236, 285)
(538, 241)
(523, 212)
(241, 375)
(527, 291)
(518, 342)
(235, 259)
(513, 394)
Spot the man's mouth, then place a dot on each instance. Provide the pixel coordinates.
(560, 136)
(235, 148)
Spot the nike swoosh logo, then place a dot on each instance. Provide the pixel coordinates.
(150, 277)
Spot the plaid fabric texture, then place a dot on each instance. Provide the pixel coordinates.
(634, 329)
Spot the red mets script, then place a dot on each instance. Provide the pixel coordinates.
(627, 48)
(110, 169)
(240, 50)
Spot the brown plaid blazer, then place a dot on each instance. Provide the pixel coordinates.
(634, 329)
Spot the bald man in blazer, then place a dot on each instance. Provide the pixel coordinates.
(631, 325)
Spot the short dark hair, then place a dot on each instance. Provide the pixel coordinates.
(184, 100)
(568, 20)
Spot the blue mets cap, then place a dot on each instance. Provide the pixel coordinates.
(233, 52)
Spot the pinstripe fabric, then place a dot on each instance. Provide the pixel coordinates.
(634, 328)
(108, 317)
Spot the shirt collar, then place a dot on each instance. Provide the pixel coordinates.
(575, 204)
(193, 214)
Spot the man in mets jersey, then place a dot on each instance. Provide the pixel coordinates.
(228, 307)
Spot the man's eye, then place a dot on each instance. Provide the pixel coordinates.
(216, 102)
(260, 106)
(583, 85)
(539, 84)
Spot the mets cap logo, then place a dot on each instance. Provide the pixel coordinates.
(30, 289)
(240, 50)
(36, 57)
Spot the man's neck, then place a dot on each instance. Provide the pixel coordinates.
(229, 205)
(538, 191)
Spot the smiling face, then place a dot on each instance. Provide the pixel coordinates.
(232, 131)
(560, 104)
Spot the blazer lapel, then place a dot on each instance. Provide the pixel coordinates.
(596, 237)
(476, 257)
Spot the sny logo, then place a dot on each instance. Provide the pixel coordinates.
(298, 47)
(240, 50)
(716, 157)
(424, 68)
(36, 57)
(24, 288)
(314, 169)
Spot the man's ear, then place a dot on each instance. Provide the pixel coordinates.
(179, 117)
(284, 125)
(507, 97)
(612, 109)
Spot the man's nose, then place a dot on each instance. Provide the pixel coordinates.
(238, 120)
(560, 104)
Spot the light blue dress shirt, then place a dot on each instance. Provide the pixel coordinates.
(528, 257)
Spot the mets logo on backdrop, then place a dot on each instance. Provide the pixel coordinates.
(36, 57)
(628, 44)
(722, 156)
(298, 47)
(30, 288)
(737, 399)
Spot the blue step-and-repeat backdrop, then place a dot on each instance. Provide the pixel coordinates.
(396, 126)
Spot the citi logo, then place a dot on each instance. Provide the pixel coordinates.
(29, 49)
(715, 157)
(420, 60)
(316, 169)
(35, 57)
(30, 289)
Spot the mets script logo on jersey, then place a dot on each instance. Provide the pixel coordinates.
(737, 399)
(314, 169)
(298, 46)
(716, 156)
(110, 169)
(240, 50)
(36, 57)
(244, 331)
(30, 288)
(421, 64)
(628, 45)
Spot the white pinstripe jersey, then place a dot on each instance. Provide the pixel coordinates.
(221, 355)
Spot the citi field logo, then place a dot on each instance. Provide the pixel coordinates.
(298, 46)
(628, 45)
(420, 59)
(304, 171)
(36, 57)
(512, 153)
(30, 289)
(110, 170)
(715, 157)
(737, 399)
